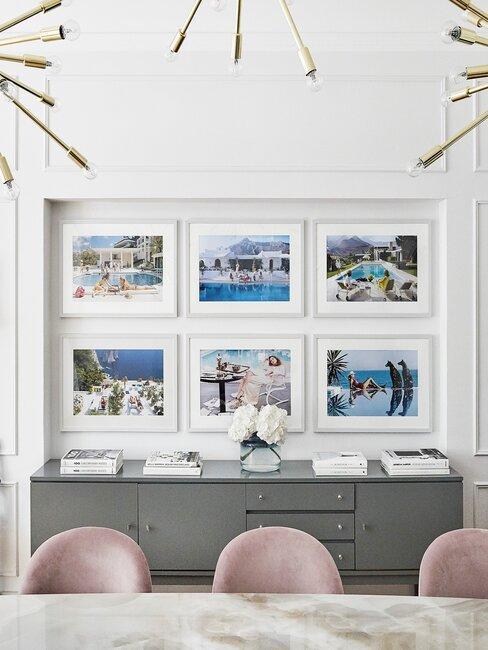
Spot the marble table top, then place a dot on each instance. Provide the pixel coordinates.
(257, 622)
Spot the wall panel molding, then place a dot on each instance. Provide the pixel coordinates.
(480, 504)
(239, 113)
(480, 446)
(9, 533)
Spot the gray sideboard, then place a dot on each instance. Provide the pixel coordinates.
(376, 527)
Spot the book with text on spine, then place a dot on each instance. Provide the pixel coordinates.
(173, 459)
(171, 471)
(339, 459)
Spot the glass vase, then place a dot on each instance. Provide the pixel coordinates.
(259, 456)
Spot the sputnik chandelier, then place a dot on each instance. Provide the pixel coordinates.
(454, 33)
(314, 79)
(69, 31)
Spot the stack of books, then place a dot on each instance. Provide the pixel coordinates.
(417, 462)
(174, 463)
(339, 463)
(92, 461)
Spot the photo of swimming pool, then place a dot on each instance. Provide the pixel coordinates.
(253, 292)
(139, 279)
(366, 270)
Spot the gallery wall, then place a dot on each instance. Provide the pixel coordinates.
(185, 142)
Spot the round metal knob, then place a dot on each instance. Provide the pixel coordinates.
(260, 497)
(339, 526)
(339, 497)
(365, 526)
(260, 525)
(128, 527)
(340, 557)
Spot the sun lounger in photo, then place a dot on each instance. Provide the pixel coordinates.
(347, 293)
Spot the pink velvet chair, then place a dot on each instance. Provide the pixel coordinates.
(276, 560)
(456, 565)
(87, 561)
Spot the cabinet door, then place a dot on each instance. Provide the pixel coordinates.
(56, 507)
(184, 527)
(396, 522)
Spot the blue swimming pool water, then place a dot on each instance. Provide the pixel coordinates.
(364, 270)
(139, 279)
(381, 377)
(393, 403)
(227, 292)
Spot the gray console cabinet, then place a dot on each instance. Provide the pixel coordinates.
(377, 527)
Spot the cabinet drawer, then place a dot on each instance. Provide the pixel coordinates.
(299, 496)
(321, 526)
(343, 554)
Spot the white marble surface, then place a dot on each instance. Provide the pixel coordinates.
(257, 622)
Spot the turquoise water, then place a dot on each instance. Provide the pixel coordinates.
(229, 292)
(381, 377)
(139, 279)
(133, 364)
(392, 403)
(365, 270)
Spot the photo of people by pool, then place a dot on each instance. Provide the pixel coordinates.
(117, 267)
(371, 383)
(371, 268)
(244, 269)
(233, 378)
(118, 382)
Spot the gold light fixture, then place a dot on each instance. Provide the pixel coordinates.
(455, 33)
(67, 31)
(314, 79)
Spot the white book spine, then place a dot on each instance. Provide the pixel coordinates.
(439, 464)
(86, 470)
(156, 471)
(417, 472)
(360, 471)
(89, 463)
(355, 463)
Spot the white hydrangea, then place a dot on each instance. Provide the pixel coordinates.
(271, 424)
(244, 423)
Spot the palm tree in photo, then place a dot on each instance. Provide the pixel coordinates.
(336, 366)
(337, 406)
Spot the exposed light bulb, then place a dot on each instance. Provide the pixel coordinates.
(458, 78)
(53, 65)
(218, 5)
(90, 171)
(6, 90)
(11, 190)
(450, 32)
(315, 81)
(446, 98)
(236, 67)
(70, 30)
(170, 56)
(415, 167)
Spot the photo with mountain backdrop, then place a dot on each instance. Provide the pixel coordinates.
(372, 268)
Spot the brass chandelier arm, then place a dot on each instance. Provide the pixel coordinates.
(303, 51)
(465, 93)
(5, 170)
(43, 97)
(29, 60)
(477, 72)
(39, 9)
(181, 35)
(471, 8)
(469, 37)
(45, 35)
(237, 40)
(72, 153)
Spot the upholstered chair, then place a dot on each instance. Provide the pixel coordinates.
(87, 560)
(276, 560)
(456, 565)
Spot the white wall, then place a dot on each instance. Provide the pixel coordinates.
(185, 141)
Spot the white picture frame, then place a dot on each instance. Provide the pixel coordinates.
(102, 421)
(155, 300)
(409, 292)
(289, 394)
(286, 287)
(364, 410)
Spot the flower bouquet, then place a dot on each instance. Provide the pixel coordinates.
(261, 434)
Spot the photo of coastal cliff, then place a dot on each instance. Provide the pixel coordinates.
(372, 383)
(251, 268)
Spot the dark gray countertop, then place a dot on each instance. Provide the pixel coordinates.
(229, 471)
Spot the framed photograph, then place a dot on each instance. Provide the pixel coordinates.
(118, 269)
(225, 372)
(118, 383)
(373, 384)
(245, 269)
(372, 269)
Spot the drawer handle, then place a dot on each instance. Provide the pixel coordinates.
(340, 557)
(148, 528)
(340, 526)
(365, 526)
(339, 497)
(129, 527)
(260, 497)
(260, 525)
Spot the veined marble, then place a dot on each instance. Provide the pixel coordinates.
(257, 622)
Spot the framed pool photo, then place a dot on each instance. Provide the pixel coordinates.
(373, 384)
(372, 269)
(228, 371)
(118, 269)
(245, 269)
(118, 383)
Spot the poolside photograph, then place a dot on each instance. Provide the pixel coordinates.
(118, 383)
(367, 380)
(372, 269)
(118, 269)
(247, 269)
